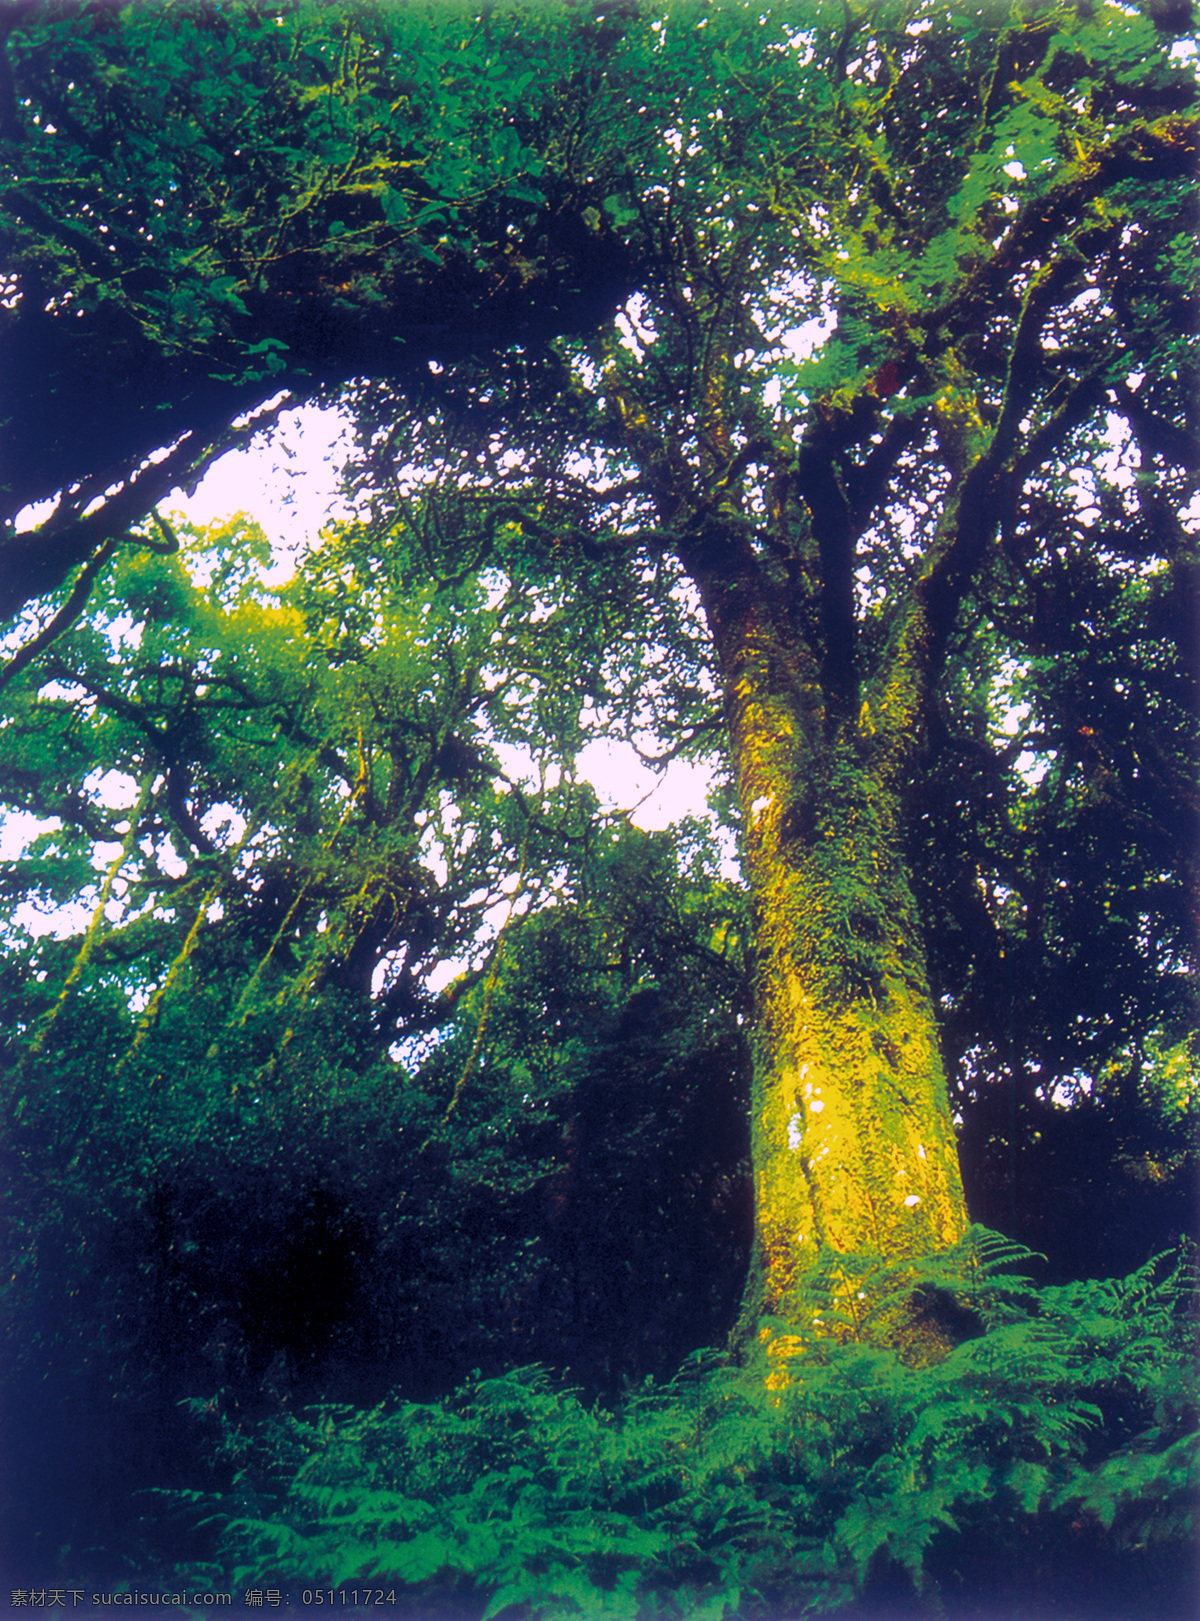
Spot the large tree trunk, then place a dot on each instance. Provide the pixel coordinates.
(852, 1137)
(853, 1142)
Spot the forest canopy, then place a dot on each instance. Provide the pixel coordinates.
(804, 390)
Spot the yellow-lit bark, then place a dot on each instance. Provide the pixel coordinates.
(853, 1142)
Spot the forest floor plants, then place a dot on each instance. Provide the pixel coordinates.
(1045, 1464)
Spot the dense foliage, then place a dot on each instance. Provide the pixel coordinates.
(888, 408)
(205, 207)
(231, 1189)
(247, 1147)
(350, 1046)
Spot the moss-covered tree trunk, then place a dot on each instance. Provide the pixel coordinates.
(826, 704)
(853, 1140)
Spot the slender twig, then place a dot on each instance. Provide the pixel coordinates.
(489, 989)
(96, 927)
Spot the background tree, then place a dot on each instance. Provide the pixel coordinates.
(250, 1151)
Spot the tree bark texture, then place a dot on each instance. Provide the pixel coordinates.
(852, 1137)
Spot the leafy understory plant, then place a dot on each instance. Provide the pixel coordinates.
(1068, 1418)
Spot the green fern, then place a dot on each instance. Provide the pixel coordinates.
(713, 1495)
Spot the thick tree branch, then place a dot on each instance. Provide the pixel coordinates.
(835, 533)
(986, 491)
(64, 618)
(179, 777)
(1165, 150)
(870, 479)
(1079, 405)
(1156, 434)
(37, 561)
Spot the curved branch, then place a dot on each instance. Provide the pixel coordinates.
(835, 533)
(37, 561)
(64, 618)
(1156, 434)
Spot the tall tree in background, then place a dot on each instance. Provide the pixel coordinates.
(912, 374)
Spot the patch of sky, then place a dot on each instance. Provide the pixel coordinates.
(1083, 490)
(168, 858)
(1012, 718)
(113, 789)
(19, 828)
(291, 485)
(637, 331)
(799, 343)
(1113, 461)
(223, 824)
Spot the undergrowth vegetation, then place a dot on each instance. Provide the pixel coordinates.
(1046, 1460)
